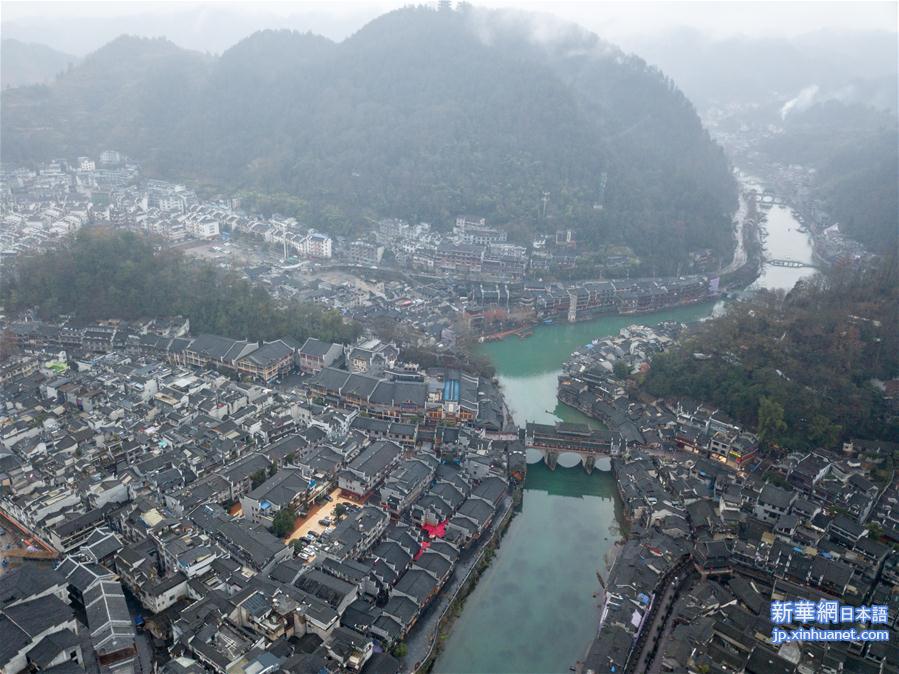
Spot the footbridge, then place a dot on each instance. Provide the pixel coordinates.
(788, 263)
(568, 445)
(768, 198)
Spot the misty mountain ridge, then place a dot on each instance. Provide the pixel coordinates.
(854, 150)
(25, 63)
(420, 114)
(854, 67)
(204, 27)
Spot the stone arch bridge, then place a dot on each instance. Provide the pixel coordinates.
(569, 444)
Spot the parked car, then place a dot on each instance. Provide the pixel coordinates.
(325, 521)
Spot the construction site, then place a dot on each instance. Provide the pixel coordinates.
(17, 543)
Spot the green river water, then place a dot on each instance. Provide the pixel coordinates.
(534, 610)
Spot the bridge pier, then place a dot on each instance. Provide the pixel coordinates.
(589, 463)
(552, 459)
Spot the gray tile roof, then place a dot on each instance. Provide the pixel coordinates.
(26, 581)
(39, 615)
(51, 646)
(14, 640)
(108, 618)
(376, 457)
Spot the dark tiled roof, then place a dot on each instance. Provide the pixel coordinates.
(315, 347)
(269, 353)
(14, 640)
(376, 457)
(51, 646)
(215, 346)
(39, 615)
(28, 580)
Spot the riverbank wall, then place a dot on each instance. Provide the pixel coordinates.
(620, 644)
(454, 607)
(749, 271)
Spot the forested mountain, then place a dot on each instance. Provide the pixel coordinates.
(799, 368)
(855, 151)
(421, 114)
(24, 63)
(860, 184)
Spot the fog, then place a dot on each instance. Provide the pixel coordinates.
(78, 28)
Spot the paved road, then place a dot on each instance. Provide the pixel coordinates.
(740, 256)
(144, 643)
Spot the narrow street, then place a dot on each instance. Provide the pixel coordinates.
(650, 634)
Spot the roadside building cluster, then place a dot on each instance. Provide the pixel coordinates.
(147, 475)
(595, 381)
(710, 548)
(39, 207)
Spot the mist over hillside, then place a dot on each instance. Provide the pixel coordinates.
(421, 114)
(852, 67)
(23, 63)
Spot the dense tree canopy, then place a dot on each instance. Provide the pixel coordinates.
(798, 368)
(283, 522)
(421, 114)
(855, 151)
(118, 274)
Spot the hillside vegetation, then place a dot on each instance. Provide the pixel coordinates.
(421, 114)
(855, 151)
(798, 368)
(116, 274)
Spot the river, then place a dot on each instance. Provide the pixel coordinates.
(534, 610)
(783, 240)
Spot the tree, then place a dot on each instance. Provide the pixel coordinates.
(823, 432)
(103, 273)
(340, 510)
(401, 650)
(284, 522)
(621, 369)
(311, 123)
(258, 477)
(809, 353)
(771, 419)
